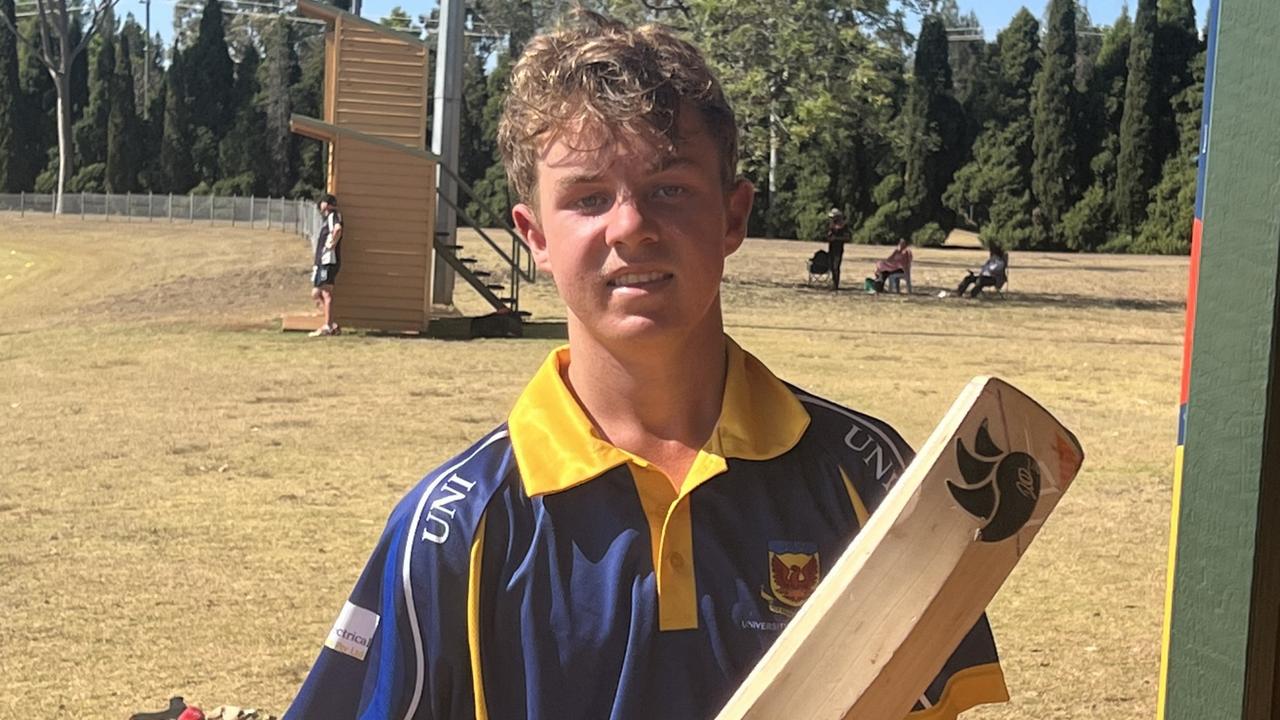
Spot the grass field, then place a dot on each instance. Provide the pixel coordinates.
(187, 495)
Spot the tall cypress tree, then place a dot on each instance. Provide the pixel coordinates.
(175, 145)
(281, 73)
(1054, 111)
(122, 126)
(90, 132)
(210, 88)
(1177, 46)
(1138, 164)
(12, 175)
(995, 189)
(934, 125)
(242, 153)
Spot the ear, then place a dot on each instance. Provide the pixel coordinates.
(738, 203)
(526, 220)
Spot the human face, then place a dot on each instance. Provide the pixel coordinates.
(636, 237)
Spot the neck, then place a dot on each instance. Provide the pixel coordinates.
(659, 400)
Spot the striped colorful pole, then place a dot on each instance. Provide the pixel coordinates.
(1222, 606)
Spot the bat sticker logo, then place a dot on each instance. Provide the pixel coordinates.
(1007, 498)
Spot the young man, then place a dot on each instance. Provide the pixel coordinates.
(658, 504)
(327, 262)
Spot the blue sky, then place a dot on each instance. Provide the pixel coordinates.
(994, 14)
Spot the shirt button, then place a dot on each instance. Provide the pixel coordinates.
(677, 561)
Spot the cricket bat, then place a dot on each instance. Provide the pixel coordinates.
(897, 603)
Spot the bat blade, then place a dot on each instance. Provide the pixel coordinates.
(893, 608)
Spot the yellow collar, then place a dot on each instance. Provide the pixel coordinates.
(557, 447)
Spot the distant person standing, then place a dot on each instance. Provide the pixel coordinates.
(837, 236)
(327, 262)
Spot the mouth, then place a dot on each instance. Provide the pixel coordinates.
(639, 280)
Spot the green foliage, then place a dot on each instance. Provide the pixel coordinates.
(90, 133)
(1138, 162)
(243, 152)
(1054, 171)
(12, 171)
(933, 133)
(90, 179)
(175, 149)
(123, 143)
(281, 73)
(1085, 226)
(242, 185)
(211, 75)
(930, 235)
(889, 223)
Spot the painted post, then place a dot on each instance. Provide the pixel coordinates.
(150, 208)
(81, 204)
(445, 121)
(128, 206)
(1222, 609)
(22, 203)
(251, 210)
(170, 208)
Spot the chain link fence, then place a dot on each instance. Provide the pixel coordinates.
(295, 216)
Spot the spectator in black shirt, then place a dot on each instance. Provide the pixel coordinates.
(327, 262)
(837, 235)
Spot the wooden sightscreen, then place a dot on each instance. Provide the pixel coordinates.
(375, 115)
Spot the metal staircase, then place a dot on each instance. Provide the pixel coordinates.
(504, 297)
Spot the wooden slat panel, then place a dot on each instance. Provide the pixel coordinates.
(372, 53)
(363, 279)
(376, 81)
(406, 105)
(391, 71)
(393, 265)
(383, 227)
(410, 192)
(392, 171)
(385, 291)
(374, 203)
(411, 189)
(354, 114)
(356, 312)
(383, 325)
(367, 157)
(394, 308)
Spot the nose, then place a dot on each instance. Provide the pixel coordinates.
(629, 223)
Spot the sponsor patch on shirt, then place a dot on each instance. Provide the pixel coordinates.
(352, 634)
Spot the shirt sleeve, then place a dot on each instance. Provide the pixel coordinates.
(398, 648)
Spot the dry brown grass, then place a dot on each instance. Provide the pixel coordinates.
(186, 495)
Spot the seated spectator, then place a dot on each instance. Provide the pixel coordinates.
(896, 267)
(993, 273)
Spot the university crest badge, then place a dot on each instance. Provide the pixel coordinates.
(794, 571)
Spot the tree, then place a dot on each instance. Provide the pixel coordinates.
(242, 153)
(1138, 163)
(175, 145)
(122, 125)
(210, 86)
(994, 190)
(53, 28)
(1055, 171)
(933, 125)
(280, 73)
(90, 131)
(11, 108)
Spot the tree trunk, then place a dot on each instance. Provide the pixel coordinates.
(62, 81)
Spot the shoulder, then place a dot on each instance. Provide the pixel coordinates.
(869, 449)
(446, 506)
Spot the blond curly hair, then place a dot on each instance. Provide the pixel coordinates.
(599, 75)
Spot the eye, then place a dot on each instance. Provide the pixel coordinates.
(670, 192)
(594, 202)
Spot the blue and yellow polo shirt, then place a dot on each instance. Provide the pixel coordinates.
(545, 573)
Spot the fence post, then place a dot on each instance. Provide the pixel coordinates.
(150, 208)
(191, 209)
(81, 204)
(22, 203)
(235, 204)
(128, 206)
(106, 208)
(211, 207)
(170, 208)
(53, 203)
(251, 208)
